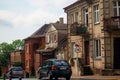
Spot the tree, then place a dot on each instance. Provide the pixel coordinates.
(18, 44)
(6, 49)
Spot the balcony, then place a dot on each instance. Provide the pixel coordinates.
(112, 24)
(77, 29)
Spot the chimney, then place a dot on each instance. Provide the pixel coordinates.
(61, 20)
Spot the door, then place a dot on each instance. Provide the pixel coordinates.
(116, 53)
(87, 58)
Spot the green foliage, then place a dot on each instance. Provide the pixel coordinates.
(16, 64)
(6, 49)
(18, 44)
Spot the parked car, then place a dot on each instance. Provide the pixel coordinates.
(15, 72)
(54, 68)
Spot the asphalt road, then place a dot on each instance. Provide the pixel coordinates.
(48, 79)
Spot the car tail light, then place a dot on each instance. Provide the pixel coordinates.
(53, 67)
(69, 68)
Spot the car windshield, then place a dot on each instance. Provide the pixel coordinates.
(17, 69)
(61, 62)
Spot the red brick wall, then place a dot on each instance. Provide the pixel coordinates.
(33, 45)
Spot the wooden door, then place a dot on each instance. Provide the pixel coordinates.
(87, 58)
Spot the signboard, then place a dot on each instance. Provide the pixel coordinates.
(77, 48)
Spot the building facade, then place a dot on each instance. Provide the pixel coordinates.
(94, 36)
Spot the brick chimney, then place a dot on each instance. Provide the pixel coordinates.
(61, 20)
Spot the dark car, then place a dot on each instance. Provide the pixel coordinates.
(15, 72)
(54, 68)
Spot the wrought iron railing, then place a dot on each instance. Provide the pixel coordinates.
(78, 29)
(112, 24)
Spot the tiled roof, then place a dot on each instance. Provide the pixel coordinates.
(62, 43)
(59, 26)
(40, 32)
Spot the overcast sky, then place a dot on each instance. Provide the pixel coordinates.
(20, 18)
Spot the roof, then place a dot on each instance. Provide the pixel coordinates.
(62, 43)
(59, 26)
(40, 32)
(71, 5)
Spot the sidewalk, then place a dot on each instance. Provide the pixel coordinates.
(97, 77)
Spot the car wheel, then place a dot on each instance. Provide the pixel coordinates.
(56, 78)
(67, 78)
(49, 76)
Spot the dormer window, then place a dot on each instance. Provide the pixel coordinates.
(116, 8)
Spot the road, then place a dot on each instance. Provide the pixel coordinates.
(48, 79)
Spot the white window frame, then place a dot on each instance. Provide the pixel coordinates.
(116, 7)
(97, 49)
(86, 16)
(96, 14)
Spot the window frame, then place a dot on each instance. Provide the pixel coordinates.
(76, 17)
(96, 14)
(86, 16)
(97, 49)
(117, 7)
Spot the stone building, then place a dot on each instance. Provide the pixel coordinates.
(94, 36)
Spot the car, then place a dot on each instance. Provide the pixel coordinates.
(55, 68)
(15, 72)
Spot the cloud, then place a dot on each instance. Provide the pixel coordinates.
(4, 23)
(48, 3)
(42, 14)
(27, 19)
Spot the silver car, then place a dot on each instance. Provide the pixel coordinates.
(15, 72)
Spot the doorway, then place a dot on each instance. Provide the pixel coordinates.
(87, 58)
(116, 53)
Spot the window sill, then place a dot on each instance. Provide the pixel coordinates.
(96, 23)
(98, 58)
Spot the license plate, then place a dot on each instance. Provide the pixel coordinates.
(62, 68)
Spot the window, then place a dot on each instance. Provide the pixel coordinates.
(50, 38)
(47, 39)
(97, 49)
(27, 48)
(96, 14)
(55, 37)
(76, 16)
(116, 8)
(86, 17)
(72, 18)
(26, 63)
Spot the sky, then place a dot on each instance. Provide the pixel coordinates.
(21, 18)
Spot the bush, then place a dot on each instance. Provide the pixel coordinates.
(17, 64)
